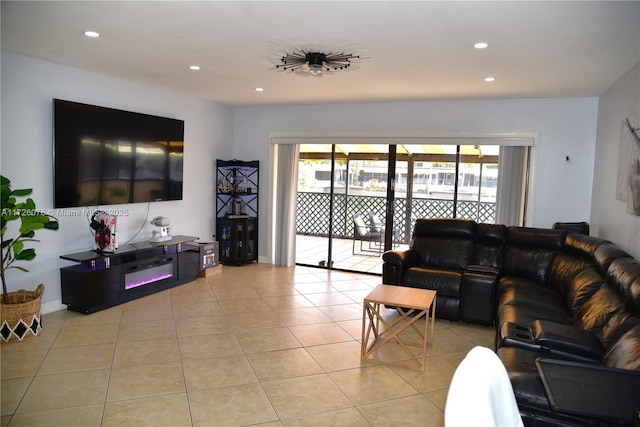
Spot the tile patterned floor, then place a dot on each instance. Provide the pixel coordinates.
(253, 345)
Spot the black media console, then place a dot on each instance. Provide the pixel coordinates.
(136, 270)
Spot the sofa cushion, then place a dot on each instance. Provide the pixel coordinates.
(489, 245)
(522, 302)
(527, 293)
(605, 254)
(564, 269)
(582, 287)
(624, 277)
(577, 254)
(582, 246)
(444, 227)
(444, 282)
(617, 325)
(625, 353)
(595, 313)
(529, 252)
(444, 243)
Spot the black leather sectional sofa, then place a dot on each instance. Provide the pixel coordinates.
(550, 293)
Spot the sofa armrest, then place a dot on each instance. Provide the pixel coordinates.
(478, 297)
(482, 269)
(566, 340)
(404, 259)
(396, 263)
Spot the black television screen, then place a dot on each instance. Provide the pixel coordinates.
(104, 156)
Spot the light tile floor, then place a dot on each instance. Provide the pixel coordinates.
(253, 345)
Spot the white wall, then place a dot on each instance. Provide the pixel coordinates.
(609, 217)
(28, 87)
(566, 127)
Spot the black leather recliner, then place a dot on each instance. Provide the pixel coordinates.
(439, 253)
(443, 254)
(552, 293)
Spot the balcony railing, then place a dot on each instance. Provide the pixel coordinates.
(312, 217)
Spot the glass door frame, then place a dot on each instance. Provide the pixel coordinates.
(334, 156)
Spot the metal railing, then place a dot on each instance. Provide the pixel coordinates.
(313, 214)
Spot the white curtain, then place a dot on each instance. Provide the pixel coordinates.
(512, 172)
(286, 187)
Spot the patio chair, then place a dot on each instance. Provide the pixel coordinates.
(364, 233)
(375, 224)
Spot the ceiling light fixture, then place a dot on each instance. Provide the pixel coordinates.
(489, 79)
(481, 45)
(92, 34)
(258, 89)
(194, 67)
(316, 63)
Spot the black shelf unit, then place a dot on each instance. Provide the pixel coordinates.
(237, 187)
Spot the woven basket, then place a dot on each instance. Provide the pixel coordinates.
(21, 317)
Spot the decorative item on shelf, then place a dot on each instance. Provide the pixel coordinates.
(223, 185)
(20, 311)
(163, 234)
(236, 208)
(307, 62)
(103, 225)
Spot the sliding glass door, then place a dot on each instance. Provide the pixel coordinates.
(356, 201)
(343, 204)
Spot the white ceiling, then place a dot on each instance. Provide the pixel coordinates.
(417, 50)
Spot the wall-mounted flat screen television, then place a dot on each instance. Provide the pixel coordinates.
(104, 156)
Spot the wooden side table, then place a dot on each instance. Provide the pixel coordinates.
(413, 305)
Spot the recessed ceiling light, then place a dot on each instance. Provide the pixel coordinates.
(194, 67)
(481, 45)
(92, 34)
(489, 79)
(258, 89)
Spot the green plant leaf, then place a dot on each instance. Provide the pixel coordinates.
(30, 227)
(22, 192)
(18, 246)
(19, 268)
(26, 255)
(29, 234)
(51, 225)
(29, 203)
(39, 218)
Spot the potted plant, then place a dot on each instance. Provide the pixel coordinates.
(20, 311)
